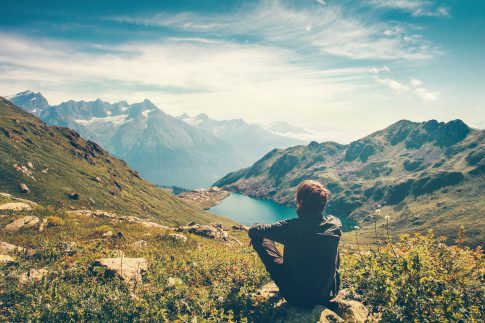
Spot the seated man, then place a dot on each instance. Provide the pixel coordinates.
(307, 274)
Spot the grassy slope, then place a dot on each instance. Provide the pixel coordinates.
(206, 279)
(72, 165)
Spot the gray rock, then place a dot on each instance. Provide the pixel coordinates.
(23, 222)
(33, 276)
(9, 248)
(128, 269)
(6, 259)
(24, 188)
(15, 206)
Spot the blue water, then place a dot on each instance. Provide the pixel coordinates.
(246, 210)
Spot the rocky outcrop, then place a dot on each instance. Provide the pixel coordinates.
(205, 198)
(338, 310)
(99, 214)
(6, 259)
(128, 269)
(33, 276)
(22, 223)
(15, 206)
(9, 248)
(214, 231)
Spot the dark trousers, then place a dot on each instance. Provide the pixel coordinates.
(271, 258)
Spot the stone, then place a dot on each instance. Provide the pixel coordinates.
(349, 310)
(128, 269)
(24, 188)
(178, 237)
(15, 206)
(74, 196)
(43, 225)
(140, 244)
(33, 276)
(111, 234)
(21, 223)
(191, 223)
(6, 259)
(329, 316)
(9, 248)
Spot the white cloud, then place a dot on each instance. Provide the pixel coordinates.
(334, 31)
(416, 8)
(414, 87)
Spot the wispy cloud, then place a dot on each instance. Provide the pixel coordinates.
(329, 30)
(416, 8)
(413, 87)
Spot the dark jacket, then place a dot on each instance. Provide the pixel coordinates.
(311, 259)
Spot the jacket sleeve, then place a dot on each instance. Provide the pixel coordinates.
(275, 231)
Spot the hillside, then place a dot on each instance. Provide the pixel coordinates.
(63, 170)
(421, 175)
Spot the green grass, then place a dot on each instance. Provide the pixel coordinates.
(414, 279)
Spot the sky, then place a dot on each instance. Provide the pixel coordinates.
(342, 68)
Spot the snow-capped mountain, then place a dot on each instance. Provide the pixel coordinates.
(33, 102)
(251, 140)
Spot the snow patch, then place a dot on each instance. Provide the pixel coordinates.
(145, 113)
(114, 120)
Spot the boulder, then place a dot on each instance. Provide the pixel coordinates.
(33, 276)
(128, 269)
(21, 223)
(74, 196)
(9, 248)
(6, 259)
(178, 237)
(111, 234)
(15, 206)
(140, 244)
(24, 188)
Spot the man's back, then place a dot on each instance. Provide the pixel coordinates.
(309, 269)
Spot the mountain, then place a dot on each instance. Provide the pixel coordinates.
(33, 102)
(250, 140)
(61, 169)
(423, 175)
(162, 148)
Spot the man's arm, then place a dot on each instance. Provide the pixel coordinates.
(275, 231)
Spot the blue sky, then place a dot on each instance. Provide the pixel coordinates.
(344, 68)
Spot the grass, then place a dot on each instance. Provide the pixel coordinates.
(417, 278)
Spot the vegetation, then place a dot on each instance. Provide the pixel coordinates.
(416, 279)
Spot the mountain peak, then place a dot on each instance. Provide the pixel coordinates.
(33, 102)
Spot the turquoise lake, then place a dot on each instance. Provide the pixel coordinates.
(246, 210)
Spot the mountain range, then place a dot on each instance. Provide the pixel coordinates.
(421, 175)
(186, 152)
(56, 167)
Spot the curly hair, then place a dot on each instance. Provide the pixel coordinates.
(311, 197)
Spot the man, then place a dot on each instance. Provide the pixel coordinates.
(307, 274)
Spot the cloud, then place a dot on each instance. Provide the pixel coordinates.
(180, 75)
(413, 87)
(416, 8)
(334, 30)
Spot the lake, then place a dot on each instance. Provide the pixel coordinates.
(246, 210)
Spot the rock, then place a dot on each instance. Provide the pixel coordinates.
(174, 281)
(23, 222)
(68, 247)
(43, 225)
(208, 231)
(92, 201)
(178, 237)
(24, 188)
(16, 206)
(33, 276)
(268, 291)
(31, 166)
(128, 269)
(329, 316)
(74, 196)
(9, 248)
(140, 244)
(349, 310)
(111, 234)
(240, 227)
(97, 179)
(5, 259)
(191, 223)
